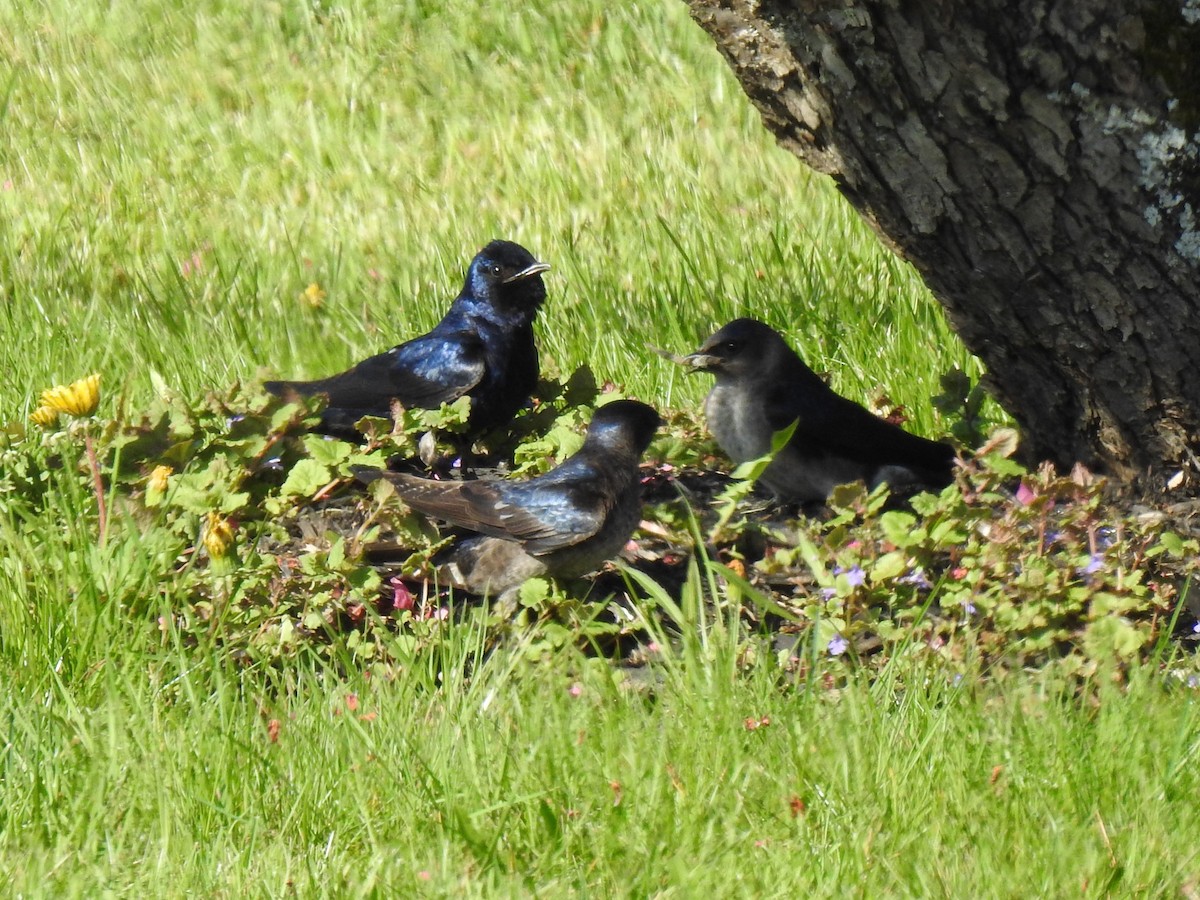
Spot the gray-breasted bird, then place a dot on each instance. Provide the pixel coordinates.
(763, 387)
(482, 348)
(564, 523)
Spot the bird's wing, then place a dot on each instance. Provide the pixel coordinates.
(832, 425)
(543, 514)
(425, 372)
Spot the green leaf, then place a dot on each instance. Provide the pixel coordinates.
(899, 528)
(285, 414)
(888, 566)
(534, 592)
(328, 452)
(306, 478)
(1175, 545)
(947, 534)
(1003, 466)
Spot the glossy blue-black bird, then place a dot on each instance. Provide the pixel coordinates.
(763, 387)
(565, 523)
(483, 348)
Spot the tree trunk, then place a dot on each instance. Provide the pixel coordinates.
(1038, 162)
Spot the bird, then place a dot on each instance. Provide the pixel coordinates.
(564, 523)
(762, 387)
(483, 348)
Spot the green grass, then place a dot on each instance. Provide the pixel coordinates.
(171, 181)
(504, 785)
(373, 149)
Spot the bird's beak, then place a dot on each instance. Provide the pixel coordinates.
(536, 269)
(701, 361)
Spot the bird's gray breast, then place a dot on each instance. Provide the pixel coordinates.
(738, 422)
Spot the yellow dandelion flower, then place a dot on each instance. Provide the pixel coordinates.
(79, 398)
(159, 479)
(218, 535)
(44, 416)
(313, 295)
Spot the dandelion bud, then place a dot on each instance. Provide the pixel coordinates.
(218, 535)
(159, 479)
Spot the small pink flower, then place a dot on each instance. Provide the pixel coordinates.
(575, 689)
(1025, 495)
(402, 597)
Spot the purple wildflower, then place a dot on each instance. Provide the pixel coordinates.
(917, 578)
(1095, 564)
(838, 645)
(856, 576)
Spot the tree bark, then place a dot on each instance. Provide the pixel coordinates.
(1038, 162)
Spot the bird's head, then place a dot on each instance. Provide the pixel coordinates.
(624, 424)
(742, 347)
(507, 276)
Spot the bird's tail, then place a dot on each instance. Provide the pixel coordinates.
(289, 390)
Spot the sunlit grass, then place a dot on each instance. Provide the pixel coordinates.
(178, 178)
(561, 782)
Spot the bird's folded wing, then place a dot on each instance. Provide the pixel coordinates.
(424, 372)
(436, 369)
(543, 518)
(549, 518)
(832, 425)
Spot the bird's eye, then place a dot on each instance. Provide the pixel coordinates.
(496, 269)
(731, 347)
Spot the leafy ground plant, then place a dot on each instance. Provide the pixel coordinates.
(276, 547)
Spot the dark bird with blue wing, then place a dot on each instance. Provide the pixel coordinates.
(483, 348)
(565, 523)
(762, 387)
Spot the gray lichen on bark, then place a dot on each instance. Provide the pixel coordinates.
(1038, 162)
